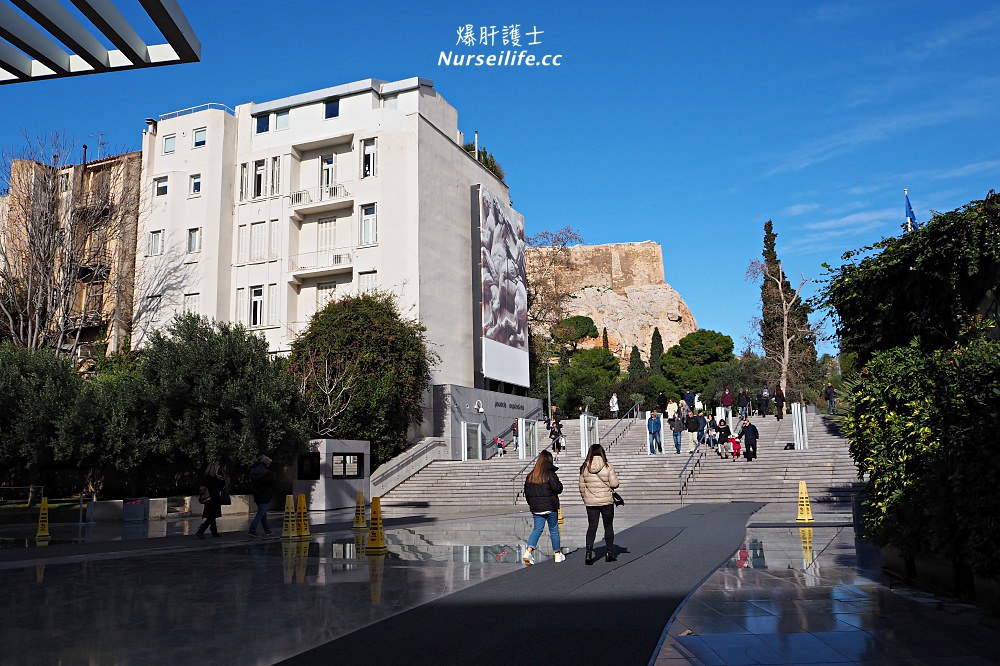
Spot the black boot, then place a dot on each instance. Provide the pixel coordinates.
(590, 557)
(611, 557)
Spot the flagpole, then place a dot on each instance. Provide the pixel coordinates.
(909, 222)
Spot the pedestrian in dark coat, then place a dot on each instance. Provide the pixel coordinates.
(262, 485)
(749, 434)
(541, 489)
(214, 482)
(724, 434)
(779, 403)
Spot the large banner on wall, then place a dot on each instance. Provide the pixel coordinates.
(505, 290)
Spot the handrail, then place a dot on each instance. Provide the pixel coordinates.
(513, 479)
(684, 484)
(626, 427)
(195, 109)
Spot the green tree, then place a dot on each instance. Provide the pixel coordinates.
(604, 338)
(655, 352)
(591, 372)
(390, 358)
(486, 158)
(574, 330)
(746, 372)
(925, 284)
(635, 364)
(214, 394)
(694, 360)
(35, 389)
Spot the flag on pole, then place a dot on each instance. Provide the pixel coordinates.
(911, 219)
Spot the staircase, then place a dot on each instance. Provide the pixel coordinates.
(826, 467)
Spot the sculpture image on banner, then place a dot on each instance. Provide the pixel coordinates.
(505, 291)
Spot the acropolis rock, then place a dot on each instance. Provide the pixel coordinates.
(621, 287)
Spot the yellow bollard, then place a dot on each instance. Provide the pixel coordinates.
(805, 511)
(806, 535)
(43, 521)
(359, 513)
(302, 520)
(560, 521)
(376, 537)
(359, 545)
(289, 526)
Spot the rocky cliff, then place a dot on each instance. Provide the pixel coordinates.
(622, 288)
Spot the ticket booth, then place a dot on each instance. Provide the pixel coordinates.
(332, 472)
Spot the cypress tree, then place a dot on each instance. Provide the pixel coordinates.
(604, 338)
(655, 352)
(635, 364)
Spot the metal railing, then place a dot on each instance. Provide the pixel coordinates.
(312, 195)
(196, 109)
(321, 259)
(689, 470)
(513, 480)
(626, 422)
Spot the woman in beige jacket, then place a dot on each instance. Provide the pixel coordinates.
(597, 480)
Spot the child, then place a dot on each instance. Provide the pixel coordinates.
(501, 446)
(735, 443)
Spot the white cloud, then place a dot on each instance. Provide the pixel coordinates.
(855, 219)
(800, 209)
(967, 170)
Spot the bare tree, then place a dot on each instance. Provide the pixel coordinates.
(67, 247)
(547, 259)
(790, 361)
(327, 386)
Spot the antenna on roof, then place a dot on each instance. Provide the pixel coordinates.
(101, 142)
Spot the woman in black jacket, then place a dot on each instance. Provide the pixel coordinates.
(541, 489)
(213, 484)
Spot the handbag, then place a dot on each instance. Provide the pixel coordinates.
(617, 498)
(204, 497)
(224, 498)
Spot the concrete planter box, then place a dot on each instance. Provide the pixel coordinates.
(939, 574)
(111, 511)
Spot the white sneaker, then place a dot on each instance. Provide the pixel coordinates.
(560, 557)
(528, 558)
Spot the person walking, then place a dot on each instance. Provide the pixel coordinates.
(689, 398)
(727, 402)
(653, 427)
(613, 405)
(676, 427)
(764, 400)
(712, 433)
(683, 409)
(661, 402)
(262, 486)
(541, 489)
(597, 480)
(212, 485)
(830, 394)
(672, 407)
(513, 434)
(779, 403)
(749, 434)
(556, 435)
(743, 403)
(724, 434)
(691, 425)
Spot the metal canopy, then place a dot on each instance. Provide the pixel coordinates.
(69, 47)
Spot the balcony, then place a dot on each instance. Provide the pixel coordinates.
(320, 264)
(87, 319)
(320, 200)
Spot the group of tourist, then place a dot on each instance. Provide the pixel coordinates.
(214, 494)
(597, 482)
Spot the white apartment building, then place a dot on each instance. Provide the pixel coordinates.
(262, 213)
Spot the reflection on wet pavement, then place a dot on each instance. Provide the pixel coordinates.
(813, 596)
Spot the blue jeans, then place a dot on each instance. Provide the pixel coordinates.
(260, 518)
(831, 406)
(677, 440)
(654, 442)
(553, 520)
(743, 411)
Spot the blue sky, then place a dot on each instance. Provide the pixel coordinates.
(686, 123)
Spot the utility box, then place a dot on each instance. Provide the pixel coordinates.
(332, 473)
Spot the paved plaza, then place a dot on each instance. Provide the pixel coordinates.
(703, 584)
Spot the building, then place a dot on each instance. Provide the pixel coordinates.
(263, 213)
(68, 232)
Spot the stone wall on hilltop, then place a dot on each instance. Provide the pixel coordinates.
(621, 286)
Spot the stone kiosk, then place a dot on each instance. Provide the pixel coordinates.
(332, 472)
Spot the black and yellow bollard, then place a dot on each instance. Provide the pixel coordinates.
(805, 511)
(359, 513)
(376, 536)
(42, 533)
(289, 525)
(302, 520)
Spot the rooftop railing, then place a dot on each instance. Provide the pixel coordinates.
(196, 109)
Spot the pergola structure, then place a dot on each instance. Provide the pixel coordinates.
(60, 44)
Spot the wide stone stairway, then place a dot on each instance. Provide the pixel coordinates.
(826, 467)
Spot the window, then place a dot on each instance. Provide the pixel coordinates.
(153, 307)
(200, 137)
(242, 244)
(368, 158)
(244, 180)
(272, 304)
(327, 174)
(262, 123)
(258, 178)
(326, 234)
(160, 186)
(169, 144)
(275, 175)
(367, 282)
(257, 306)
(275, 241)
(257, 241)
(155, 243)
(325, 292)
(194, 240)
(347, 465)
(64, 182)
(241, 305)
(309, 468)
(368, 228)
(191, 303)
(281, 119)
(195, 184)
(331, 108)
